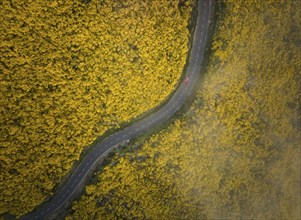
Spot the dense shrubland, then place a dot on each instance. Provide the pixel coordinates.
(70, 71)
(236, 152)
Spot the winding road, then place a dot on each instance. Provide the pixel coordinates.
(86, 167)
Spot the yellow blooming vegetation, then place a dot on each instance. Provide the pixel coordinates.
(71, 70)
(236, 153)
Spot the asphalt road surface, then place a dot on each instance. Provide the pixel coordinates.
(84, 169)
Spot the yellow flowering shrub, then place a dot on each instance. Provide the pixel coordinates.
(235, 154)
(70, 71)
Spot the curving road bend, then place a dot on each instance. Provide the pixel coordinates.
(77, 180)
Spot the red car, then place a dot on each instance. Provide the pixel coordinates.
(186, 80)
